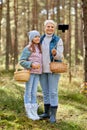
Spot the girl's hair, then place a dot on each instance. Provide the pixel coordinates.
(32, 47)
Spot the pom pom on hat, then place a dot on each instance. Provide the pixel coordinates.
(32, 34)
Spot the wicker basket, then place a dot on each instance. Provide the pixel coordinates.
(21, 75)
(58, 67)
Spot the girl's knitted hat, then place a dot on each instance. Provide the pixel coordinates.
(32, 34)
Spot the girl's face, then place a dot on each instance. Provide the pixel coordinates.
(49, 28)
(36, 40)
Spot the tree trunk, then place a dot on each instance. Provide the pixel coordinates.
(70, 76)
(85, 35)
(8, 37)
(16, 39)
(0, 24)
(47, 8)
(58, 14)
(76, 33)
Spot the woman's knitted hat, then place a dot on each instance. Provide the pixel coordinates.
(32, 34)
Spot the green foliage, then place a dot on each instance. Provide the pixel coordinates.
(71, 113)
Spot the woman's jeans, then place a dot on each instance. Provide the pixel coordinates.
(49, 84)
(30, 95)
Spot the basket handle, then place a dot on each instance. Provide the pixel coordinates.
(61, 59)
(17, 66)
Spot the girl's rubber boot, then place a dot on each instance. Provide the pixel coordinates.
(28, 108)
(34, 111)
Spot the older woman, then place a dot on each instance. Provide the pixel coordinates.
(52, 49)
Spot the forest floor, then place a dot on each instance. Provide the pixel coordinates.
(71, 114)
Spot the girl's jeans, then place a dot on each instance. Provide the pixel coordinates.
(30, 95)
(49, 84)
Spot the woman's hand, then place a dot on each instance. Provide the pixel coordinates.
(54, 52)
(35, 66)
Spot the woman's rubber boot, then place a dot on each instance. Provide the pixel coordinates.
(53, 111)
(46, 113)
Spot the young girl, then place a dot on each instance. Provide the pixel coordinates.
(31, 58)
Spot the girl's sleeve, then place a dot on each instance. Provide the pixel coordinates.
(24, 58)
(60, 49)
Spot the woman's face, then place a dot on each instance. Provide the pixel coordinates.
(49, 28)
(36, 40)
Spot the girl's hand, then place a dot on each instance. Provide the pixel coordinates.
(54, 52)
(35, 66)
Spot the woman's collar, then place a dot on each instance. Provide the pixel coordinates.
(49, 35)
